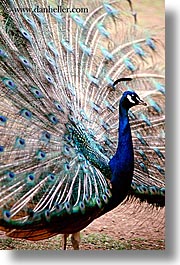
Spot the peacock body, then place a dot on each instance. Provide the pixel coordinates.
(67, 153)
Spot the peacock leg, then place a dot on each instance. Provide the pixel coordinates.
(75, 239)
(64, 241)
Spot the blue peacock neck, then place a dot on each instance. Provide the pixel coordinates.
(122, 163)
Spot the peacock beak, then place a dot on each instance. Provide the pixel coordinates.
(141, 102)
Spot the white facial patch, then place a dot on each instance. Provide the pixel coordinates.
(130, 99)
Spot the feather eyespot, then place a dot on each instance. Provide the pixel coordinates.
(98, 202)
(82, 207)
(105, 198)
(3, 120)
(9, 83)
(7, 215)
(10, 175)
(51, 177)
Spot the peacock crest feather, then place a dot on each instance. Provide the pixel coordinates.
(66, 79)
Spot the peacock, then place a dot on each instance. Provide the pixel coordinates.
(82, 115)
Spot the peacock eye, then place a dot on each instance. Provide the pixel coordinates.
(130, 98)
(133, 96)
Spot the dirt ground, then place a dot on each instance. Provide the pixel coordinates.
(141, 225)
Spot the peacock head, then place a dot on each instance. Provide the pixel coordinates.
(130, 99)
